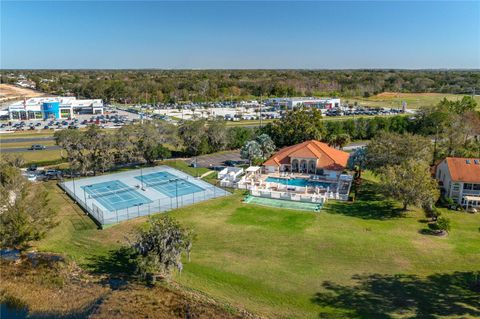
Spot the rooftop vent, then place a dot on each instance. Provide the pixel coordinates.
(468, 161)
(476, 161)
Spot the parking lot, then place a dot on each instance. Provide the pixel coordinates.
(216, 160)
(112, 119)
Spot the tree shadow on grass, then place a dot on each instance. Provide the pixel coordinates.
(116, 264)
(20, 310)
(370, 204)
(388, 296)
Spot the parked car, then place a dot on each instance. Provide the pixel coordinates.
(32, 168)
(37, 147)
(31, 177)
(53, 174)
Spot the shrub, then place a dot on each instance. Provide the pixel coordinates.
(431, 212)
(443, 224)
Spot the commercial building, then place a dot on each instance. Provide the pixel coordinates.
(292, 102)
(460, 179)
(53, 107)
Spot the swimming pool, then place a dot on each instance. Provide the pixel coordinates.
(300, 182)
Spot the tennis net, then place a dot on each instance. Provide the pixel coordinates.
(171, 180)
(112, 192)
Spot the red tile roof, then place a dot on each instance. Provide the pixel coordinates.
(461, 171)
(328, 157)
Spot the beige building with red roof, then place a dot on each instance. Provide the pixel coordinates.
(460, 179)
(310, 157)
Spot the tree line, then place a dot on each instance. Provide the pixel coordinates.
(173, 86)
(96, 150)
(453, 125)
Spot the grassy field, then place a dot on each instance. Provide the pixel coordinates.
(45, 157)
(27, 134)
(353, 260)
(414, 100)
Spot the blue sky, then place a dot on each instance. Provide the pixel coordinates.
(316, 35)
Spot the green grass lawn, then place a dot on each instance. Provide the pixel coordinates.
(27, 134)
(45, 157)
(414, 100)
(353, 260)
(184, 167)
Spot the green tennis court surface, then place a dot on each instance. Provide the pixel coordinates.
(279, 203)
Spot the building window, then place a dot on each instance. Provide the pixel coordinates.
(65, 113)
(476, 187)
(468, 186)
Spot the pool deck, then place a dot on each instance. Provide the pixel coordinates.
(259, 186)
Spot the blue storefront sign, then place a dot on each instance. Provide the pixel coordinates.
(51, 109)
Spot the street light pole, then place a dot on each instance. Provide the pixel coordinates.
(176, 191)
(73, 181)
(435, 145)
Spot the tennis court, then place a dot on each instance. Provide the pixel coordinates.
(114, 195)
(113, 198)
(169, 184)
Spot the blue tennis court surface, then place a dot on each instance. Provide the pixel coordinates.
(169, 184)
(113, 198)
(115, 195)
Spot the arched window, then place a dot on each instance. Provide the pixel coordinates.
(295, 165)
(312, 164)
(303, 166)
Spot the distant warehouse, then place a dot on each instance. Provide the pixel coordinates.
(292, 102)
(53, 107)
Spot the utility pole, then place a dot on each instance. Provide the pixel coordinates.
(261, 98)
(435, 145)
(73, 182)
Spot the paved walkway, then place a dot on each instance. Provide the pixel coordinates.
(206, 174)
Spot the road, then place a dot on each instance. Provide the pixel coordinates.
(27, 139)
(25, 149)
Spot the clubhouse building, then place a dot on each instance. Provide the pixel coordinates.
(309, 157)
(61, 107)
(310, 172)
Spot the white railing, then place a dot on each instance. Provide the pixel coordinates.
(312, 198)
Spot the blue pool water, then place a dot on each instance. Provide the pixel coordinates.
(301, 182)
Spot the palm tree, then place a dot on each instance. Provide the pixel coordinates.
(251, 151)
(266, 145)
